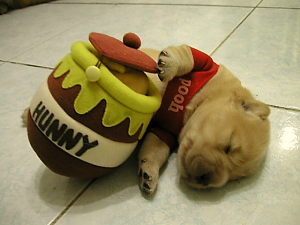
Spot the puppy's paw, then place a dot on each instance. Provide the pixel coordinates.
(175, 61)
(167, 65)
(148, 175)
(24, 117)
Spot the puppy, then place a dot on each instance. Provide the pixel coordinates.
(5, 5)
(224, 134)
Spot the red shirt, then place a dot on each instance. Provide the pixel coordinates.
(168, 120)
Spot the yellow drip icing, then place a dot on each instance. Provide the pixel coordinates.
(92, 93)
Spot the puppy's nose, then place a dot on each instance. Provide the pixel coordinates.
(203, 179)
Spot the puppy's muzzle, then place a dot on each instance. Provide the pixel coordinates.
(200, 171)
(203, 179)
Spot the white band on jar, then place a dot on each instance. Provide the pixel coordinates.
(72, 136)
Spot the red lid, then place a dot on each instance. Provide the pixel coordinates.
(125, 53)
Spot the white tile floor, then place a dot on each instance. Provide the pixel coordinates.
(258, 40)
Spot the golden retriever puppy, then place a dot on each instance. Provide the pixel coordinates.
(224, 134)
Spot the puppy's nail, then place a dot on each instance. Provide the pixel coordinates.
(164, 53)
(160, 62)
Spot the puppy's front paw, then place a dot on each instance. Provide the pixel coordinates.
(148, 175)
(167, 65)
(175, 61)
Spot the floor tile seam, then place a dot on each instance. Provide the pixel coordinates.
(151, 4)
(233, 31)
(125, 3)
(55, 35)
(71, 204)
(274, 7)
(238, 25)
(284, 108)
(176, 4)
(26, 64)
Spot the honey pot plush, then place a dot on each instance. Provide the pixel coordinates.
(86, 119)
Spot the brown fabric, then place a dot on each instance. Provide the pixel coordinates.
(58, 160)
(93, 119)
(165, 136)
(115, 50)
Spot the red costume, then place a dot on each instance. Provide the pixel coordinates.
(168, 120)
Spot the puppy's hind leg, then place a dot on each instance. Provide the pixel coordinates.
(153, 154)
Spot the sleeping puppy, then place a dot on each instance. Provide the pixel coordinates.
(224, 133)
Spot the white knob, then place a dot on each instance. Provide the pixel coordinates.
(92, 73)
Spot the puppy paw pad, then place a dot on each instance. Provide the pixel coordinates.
(144, 176)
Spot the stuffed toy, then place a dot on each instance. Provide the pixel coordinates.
(86, 119)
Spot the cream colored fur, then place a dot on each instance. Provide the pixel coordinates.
(225, 134)
(172, 64)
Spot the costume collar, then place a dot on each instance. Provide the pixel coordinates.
(178, 94)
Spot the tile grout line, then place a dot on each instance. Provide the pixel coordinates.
(45, 67)
(149, 4)
(113, 4)
(284, 108)
(10, 60)
(230, 34)
(27, 64)
(177, 4)
(278, 7)
(68, 207)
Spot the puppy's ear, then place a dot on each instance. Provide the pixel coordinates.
(258, 108)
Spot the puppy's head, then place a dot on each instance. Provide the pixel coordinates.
(226, 138)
